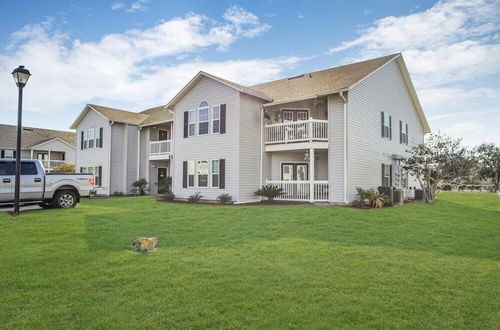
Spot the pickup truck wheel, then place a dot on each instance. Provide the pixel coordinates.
(64, 199)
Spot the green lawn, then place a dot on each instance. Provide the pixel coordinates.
(416, 266)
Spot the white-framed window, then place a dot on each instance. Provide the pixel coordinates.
(85, 140)
(203, 118)
(203, 173)
(190, 173)
(403, 132)
(97, 178)
(97, 138)
(215, 173)
(216, 119)
(90, 137)
(11, 154)
(386, 125)
(386, 175)
(192, 122)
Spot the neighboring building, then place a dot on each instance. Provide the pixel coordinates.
(318, 135)
(50, 146)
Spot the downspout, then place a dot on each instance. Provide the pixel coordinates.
(261, 145)
(109, 156)
(139, 151)
(345, 145)
(172, 150)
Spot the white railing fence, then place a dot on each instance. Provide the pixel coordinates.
(304, 130)
(301, 190)
(52, 163)
(160, 147)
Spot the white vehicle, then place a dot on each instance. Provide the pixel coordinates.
(45, 189)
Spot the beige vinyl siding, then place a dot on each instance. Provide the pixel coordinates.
(336, 148)
(384, 90)
(210, 146)
(95, 156)
(250, 147)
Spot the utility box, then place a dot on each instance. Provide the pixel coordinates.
(419, 194)
(398, 197)
(388, 191)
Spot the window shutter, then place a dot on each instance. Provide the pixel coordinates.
(222, 174)
(390, 175)
(101, 131)
(2, 154)
(100, 176)
(406, 138)
(63, 156)
(222, 119)
(184, 174)
(382, 175)
(382, 122)
(390, 127)
(401, 132)
(81, 142)
(81, 169)
(186, 114)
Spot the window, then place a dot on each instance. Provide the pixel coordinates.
(403, 132)
(400, 176)
(85, 142)
(191, 173)
(294, 115)
(192, 122)
(216, 119)
(215, 173)
(7, 168)
(28, 168)
(9, 154)
(386, 125)
(386, 175)
(97, 178)
(97, 138)
(90, 137)
(202, 173)
(203, 118)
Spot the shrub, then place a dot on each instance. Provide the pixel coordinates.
(118, 193)
(376, 199)
(224, 198)
(140, 186)
(270, 192)
(447, 187)
(195, 198)
(64, 168)
(363, 196)
(168, 196)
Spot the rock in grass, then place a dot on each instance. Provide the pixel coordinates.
(144, 244)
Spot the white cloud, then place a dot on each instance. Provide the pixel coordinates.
(117, 5)
(448, 48)
(300, 15)
(138, 67)
(139, 5)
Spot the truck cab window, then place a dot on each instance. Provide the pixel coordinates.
(28, 168)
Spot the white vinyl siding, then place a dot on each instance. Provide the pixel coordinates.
(384, 90)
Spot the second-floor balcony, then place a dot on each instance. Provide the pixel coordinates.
(311, 130)
(160, 149)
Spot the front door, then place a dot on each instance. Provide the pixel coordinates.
(294, 171)
(162, 180)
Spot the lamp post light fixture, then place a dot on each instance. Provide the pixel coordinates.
(21, 76)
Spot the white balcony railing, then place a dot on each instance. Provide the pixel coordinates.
(50, 164)
(301, 190)
(297, 131)
(160, 148)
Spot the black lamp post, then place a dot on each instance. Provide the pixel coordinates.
(21, 76)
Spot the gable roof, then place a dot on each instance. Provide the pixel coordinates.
(324, 81)
(199, 75)
(157, 115)
(32, 136)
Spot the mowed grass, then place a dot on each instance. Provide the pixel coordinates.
(417, 266)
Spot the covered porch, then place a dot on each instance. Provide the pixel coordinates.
(50, 159)
(160, 143)
(302, 174)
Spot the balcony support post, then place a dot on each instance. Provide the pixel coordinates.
(49, 161)
(311, 175)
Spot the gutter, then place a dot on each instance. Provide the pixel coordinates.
(345, 145)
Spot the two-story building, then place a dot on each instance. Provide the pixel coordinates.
(317, 135)
(49, 146)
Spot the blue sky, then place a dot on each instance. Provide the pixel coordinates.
(135, 54)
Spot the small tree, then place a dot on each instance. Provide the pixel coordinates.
(64, 168)
(140, 186)
(440, 159)
(270, 192)
(488, 156)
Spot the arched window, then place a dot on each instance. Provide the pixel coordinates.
(203, 118)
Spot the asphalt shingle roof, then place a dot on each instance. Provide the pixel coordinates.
(32, 136)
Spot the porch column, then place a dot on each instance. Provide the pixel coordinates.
(49, 161)
(311, 174)
(31, 154)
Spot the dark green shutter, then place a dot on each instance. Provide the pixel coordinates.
(184, 174)
(101, 131)
(390, 127)
(100, 177)
(81, 141)
(222, 119)
(382, 122)
(222, 173)
(401, 132)
(186, 126)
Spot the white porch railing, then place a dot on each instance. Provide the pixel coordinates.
(50, 164)
(301, 190)
(297, 131)
(157, 148)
